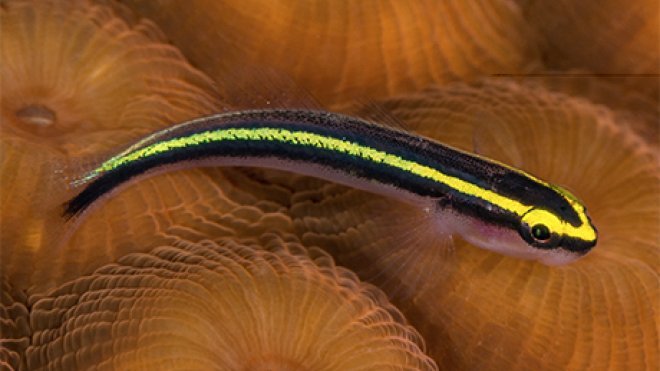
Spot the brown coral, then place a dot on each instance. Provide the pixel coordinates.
(14, 326)
(189, 204)
(606, 37)
(222, 305)
(616, 40)
(344, 49)
(77, 83)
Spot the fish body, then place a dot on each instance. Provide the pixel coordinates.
(490, 204)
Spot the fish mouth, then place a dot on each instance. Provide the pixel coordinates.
(576, 245)
(561, 257)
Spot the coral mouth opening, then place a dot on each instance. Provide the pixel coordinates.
(36, 116)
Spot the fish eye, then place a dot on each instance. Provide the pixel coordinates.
(541, 229)
(541, 233)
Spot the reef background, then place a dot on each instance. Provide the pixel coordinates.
(255, 269)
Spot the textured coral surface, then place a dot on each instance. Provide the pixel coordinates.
(250, 269)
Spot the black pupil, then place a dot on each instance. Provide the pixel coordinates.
(540, 232)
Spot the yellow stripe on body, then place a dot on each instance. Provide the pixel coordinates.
(342, 146)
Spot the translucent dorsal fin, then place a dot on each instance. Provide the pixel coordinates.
(377, 113)
(256, 87)
(494, 139)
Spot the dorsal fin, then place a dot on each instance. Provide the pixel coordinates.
(376, 112)
(255, 87)
(493, 139)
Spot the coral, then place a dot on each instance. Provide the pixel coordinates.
(222, 305)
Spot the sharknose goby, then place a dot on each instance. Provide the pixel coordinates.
(491, 205)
